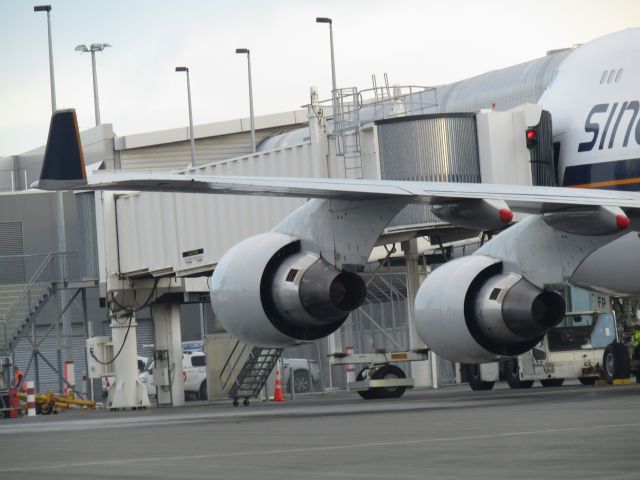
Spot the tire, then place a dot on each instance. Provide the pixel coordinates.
(475, 381)
(512, 375)
(301, 381)
(615, 362)
(202, 391)
(386, 371)
(389, 371)
(366, 394)
(587, 380)
(552, 382)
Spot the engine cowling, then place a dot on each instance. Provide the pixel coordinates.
(470, 311)
(266, 291)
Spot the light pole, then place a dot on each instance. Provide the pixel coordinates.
(253, 127)
(193, 145)
(67, 350)
(333, 64)
(47, 8)
(93, 48)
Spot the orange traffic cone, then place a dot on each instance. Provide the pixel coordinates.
(277, 392)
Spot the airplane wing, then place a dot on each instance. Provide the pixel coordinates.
(63, 169)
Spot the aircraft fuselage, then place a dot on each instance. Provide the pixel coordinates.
(595, 106)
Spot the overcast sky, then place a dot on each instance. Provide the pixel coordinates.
(421, 42)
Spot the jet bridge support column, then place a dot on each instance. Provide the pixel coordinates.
(318, 137)
(127, 391)
(420, 371)
(169, 385)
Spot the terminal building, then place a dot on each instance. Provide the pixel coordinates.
(156, 251)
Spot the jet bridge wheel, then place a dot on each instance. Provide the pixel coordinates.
(386, 371)
(615, 362)
(475, 379)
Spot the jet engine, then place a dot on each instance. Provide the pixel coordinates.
(471, 311)
(266, 291)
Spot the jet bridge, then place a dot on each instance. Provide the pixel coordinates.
(184, 235)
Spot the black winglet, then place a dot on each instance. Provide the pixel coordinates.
(63, 166)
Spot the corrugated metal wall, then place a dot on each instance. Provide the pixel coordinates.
(506, 88)
(86, 212)
(48, 377)
(155, 228)
(429, 148)
(11, 269)
(175, 156)
(145, 333)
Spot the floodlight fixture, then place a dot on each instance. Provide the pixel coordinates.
(93, 48)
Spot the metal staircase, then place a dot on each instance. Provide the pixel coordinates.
(20, 304)
(253, 375)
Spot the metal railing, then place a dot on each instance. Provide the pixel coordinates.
(14, 180)
(20, 269)
(398, 100)
(379, 103)
(230, 369)
(352, 107)
(54, 267)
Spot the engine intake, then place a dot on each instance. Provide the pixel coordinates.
(469, 311)
(267, 292)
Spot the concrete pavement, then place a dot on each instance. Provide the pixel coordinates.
(573, 432)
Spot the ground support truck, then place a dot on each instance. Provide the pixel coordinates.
(583, 346)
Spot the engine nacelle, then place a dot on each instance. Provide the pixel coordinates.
(470, 311)
(266, 291)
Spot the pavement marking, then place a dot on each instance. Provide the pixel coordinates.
(398, 443)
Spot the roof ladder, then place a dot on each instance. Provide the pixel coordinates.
(347, 131)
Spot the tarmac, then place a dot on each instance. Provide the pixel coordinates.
(569, 432)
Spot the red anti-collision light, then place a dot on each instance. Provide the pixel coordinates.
(531, 134)
(505, 214)
(622, 221)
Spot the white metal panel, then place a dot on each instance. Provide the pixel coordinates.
(154, 229)
(504, 156)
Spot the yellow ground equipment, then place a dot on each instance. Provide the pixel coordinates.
(50, 402)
